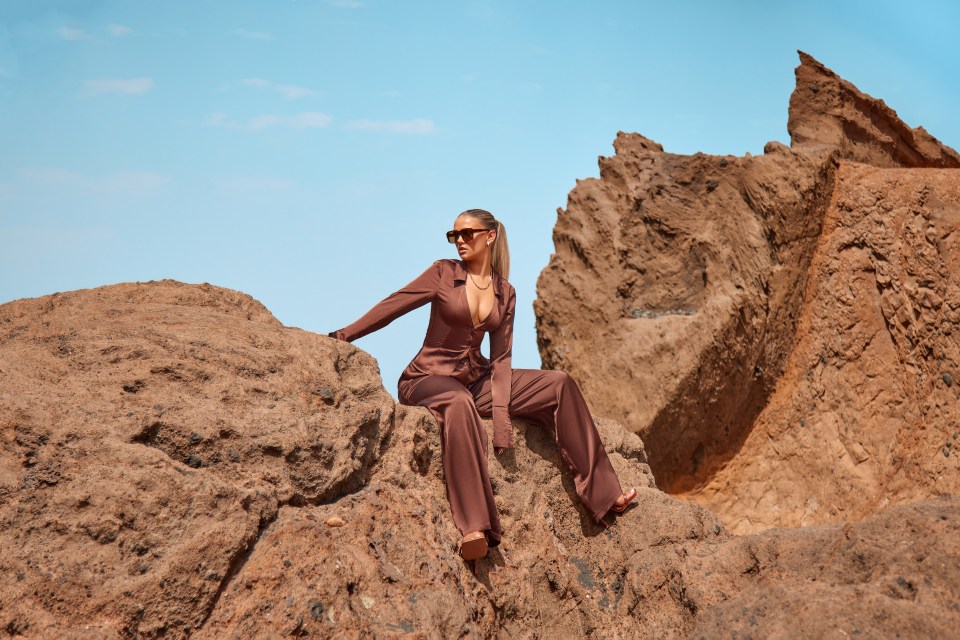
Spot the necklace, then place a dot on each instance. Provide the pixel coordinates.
(478, 286)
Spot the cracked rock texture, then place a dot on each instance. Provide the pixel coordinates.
(176, 463)
(780, 330)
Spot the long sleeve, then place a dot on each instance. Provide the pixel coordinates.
(501, 348)
(419, 292)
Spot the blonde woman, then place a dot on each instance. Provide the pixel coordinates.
(469, 297)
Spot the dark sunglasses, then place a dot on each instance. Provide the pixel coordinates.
(466, 234)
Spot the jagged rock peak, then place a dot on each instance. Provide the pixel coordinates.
(826, 109)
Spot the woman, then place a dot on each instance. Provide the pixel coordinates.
(458, 384)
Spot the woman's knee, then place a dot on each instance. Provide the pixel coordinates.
(560, 378)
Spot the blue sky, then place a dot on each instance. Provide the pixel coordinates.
(312, 152)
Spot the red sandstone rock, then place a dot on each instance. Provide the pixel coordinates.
(166, 473)
(700, 271)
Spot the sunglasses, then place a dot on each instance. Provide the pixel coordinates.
(466, 234)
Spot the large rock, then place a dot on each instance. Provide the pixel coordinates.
(673, 292)
(176, 463)
(678, 285)
(867, 412)
(149, 433)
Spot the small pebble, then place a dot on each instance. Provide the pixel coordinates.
(367, 602)
(334, 521)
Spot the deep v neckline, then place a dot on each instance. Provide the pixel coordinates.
(466, 303)
(482, 322)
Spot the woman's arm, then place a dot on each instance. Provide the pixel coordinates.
(501, 349)
(416, 294)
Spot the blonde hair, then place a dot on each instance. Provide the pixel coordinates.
(500, 251)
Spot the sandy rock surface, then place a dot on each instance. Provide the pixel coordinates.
(178, 464)
(730, 289)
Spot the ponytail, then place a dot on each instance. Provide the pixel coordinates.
(500, 251)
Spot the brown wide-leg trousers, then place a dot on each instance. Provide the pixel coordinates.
(549, 398)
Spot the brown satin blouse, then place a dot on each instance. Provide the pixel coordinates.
(452, 344)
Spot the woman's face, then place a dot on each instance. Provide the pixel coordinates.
(476, 247)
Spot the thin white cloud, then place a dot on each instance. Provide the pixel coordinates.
(124, 183)
(288, 91)
(127, 87)
(300, 121)
(255, 184)
(419, 126)
(309, 120)
(253, 35)
(133, 182)
(73, 35)
(346, 4)
(119, 30)
(259, 123)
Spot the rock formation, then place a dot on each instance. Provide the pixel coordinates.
(176, 463)
(780, 330)
(826, 109)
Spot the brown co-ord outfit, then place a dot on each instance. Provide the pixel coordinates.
(459, 385)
